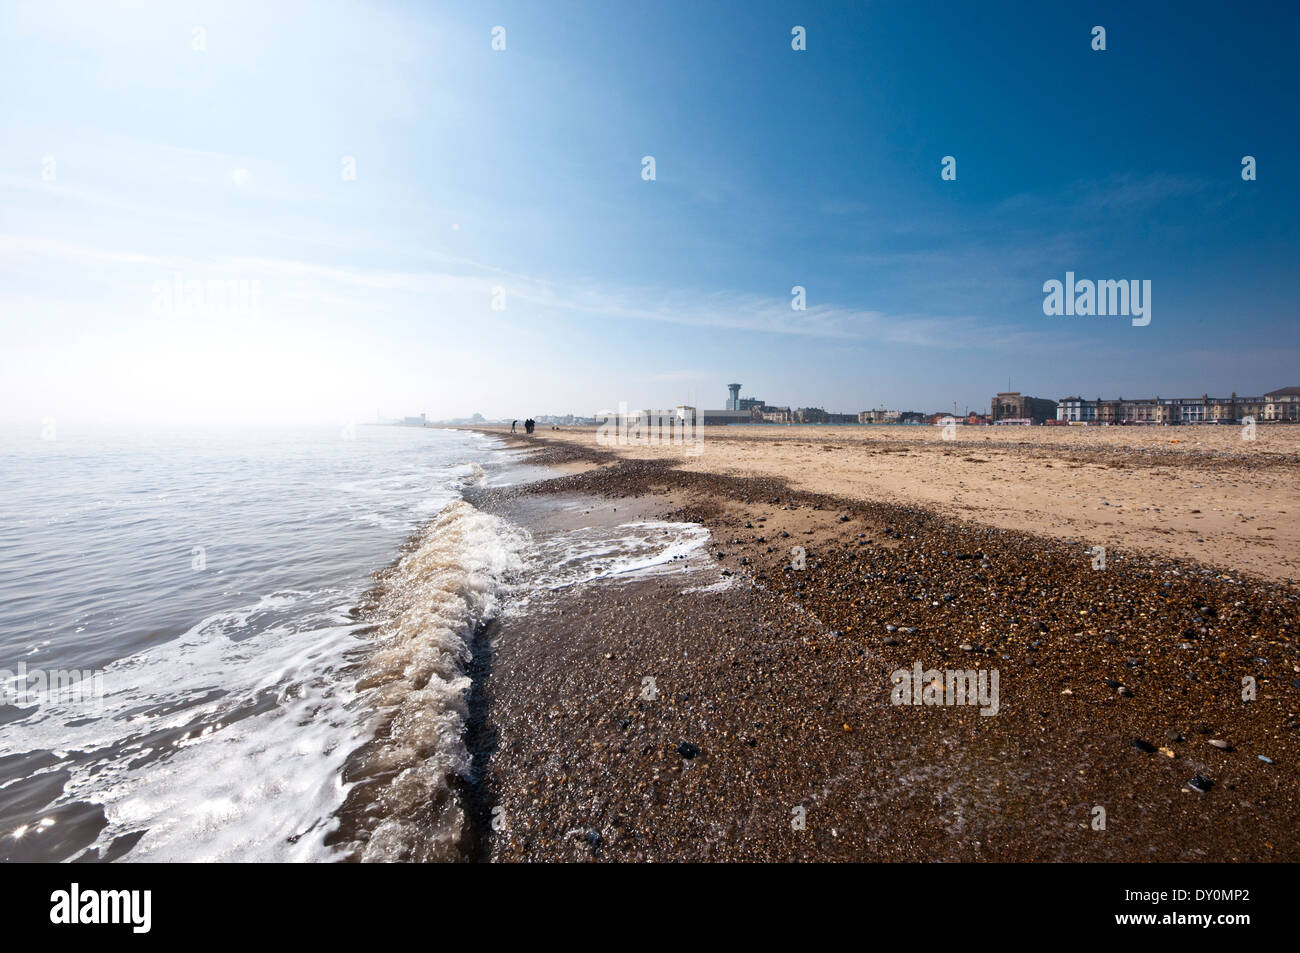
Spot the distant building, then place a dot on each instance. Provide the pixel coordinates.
(1283, 404)
(1012, 405)
(419, 421)
(1279, 405)
(715, 418)
(739, 410)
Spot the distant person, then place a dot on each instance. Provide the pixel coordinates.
(528, 425)
(512, 425)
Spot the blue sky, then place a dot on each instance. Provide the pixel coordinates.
(521, 169)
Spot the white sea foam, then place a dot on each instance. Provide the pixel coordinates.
(218, 749)
(626, 551)
(415, 679)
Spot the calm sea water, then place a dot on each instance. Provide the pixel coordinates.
(208, 580)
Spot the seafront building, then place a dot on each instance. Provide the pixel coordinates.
(1006, 408)
(754, 410)
(1279, 405)
(1013, 407)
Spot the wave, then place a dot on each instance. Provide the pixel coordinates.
(403, 805)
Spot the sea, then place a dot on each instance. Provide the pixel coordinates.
(255, 646)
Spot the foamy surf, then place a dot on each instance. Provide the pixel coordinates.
(627, 550)
(214, 747)
(403, 806)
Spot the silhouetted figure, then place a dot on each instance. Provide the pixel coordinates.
(512, 425)
(529, 424)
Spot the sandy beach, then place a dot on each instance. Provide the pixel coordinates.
(771, 734)
(1196, 492)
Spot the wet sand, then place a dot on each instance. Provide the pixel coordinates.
(773, 695)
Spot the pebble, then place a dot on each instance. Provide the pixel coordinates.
(1266, 759)
(1200, 782)
(1143, 746)
(1221, 744)
(687, 750)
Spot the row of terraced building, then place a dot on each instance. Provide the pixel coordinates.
(1279, 405)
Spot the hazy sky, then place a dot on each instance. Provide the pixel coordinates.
(142, 141)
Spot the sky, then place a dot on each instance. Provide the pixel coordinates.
(423, 223)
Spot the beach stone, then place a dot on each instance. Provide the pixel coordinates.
(1144, 746)
(1200, 782)
(1221, 744)
(687, 750)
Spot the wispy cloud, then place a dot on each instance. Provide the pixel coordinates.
(471, 286)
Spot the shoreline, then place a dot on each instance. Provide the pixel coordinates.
(775, 693)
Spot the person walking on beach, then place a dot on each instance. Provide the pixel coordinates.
(512, 425)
